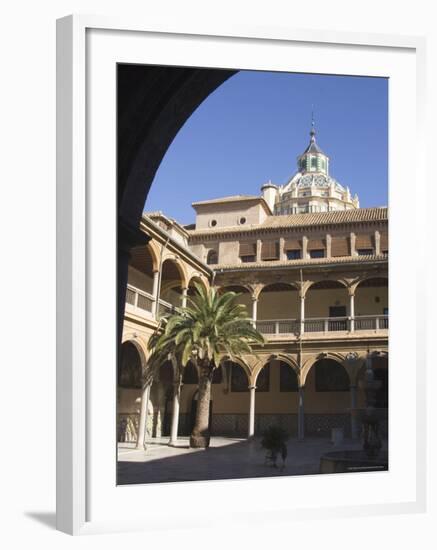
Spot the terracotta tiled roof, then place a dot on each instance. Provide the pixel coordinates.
(302, 262)
(305, 220)
(230, 198)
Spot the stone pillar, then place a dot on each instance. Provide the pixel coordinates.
(175, 413)
(377, 243)
(304, 247)
(354, 423)
(184, 297)
(282, 255)
(352, 309)
(254, 309)
(155, 306)
(301, 415)
(251, 424)
(328, 245)
(258, 250)
(142, 427)
(353, 241)
(302, 312)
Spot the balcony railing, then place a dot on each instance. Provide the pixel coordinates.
(281, 326)
(139, 299)
(143, 302)
(165, 308)
(273, 327)
(371, 322)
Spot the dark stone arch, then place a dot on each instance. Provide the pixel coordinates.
(153, 103)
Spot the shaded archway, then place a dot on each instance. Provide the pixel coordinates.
(276, 396)
(161, 398)
(153, 103)
(142, 265)
(278, 309)
(326, 307)
(129, 391)
(327, 397)
(371, 304)
(171, 285)
(244, 296)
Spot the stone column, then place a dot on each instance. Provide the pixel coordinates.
(304, 247)
(175, 413)
(251, 426)
(353, 241)
(352, 309)
(354, 424)
(377, 243)
(155, 306)
(301, 415)
(302, 313)
(328, 245)
(184, 297)
(258, 250)
(282, 255)
(254, 310)
(142, 427)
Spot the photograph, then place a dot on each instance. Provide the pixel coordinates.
(253, 295)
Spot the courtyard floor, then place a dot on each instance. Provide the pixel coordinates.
(226, 458)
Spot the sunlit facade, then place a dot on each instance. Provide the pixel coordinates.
(311, 268)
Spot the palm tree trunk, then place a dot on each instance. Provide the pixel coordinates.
(200, 436)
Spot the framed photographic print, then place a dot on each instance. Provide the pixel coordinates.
(233, 221)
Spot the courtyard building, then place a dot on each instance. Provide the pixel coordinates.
(310, 266)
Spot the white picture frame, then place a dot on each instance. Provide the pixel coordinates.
(79, 302)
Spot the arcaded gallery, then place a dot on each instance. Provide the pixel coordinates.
(311, 267)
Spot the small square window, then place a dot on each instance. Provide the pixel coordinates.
(247, 259)
(293, 254)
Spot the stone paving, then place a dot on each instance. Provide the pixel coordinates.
(226, 458)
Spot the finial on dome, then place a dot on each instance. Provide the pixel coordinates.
(313, 129)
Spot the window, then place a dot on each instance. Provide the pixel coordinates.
(270, 250)
(313, 162)
(247, 252)
(287, 378)
(365, 251)
(317, 253)
(242, 220)
(293, 254)
(212, 257)
(213, 223)
(340, 246)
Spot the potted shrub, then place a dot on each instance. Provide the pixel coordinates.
(274, 441)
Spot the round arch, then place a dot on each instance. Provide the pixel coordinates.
(371, 296)
(182, 272)
(311, 361)
(282, 358)
(238, 361)
(272, 287)
(196, 278)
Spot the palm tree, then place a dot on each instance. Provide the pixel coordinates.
(212, 325)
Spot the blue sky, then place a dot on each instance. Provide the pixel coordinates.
(252, 128)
